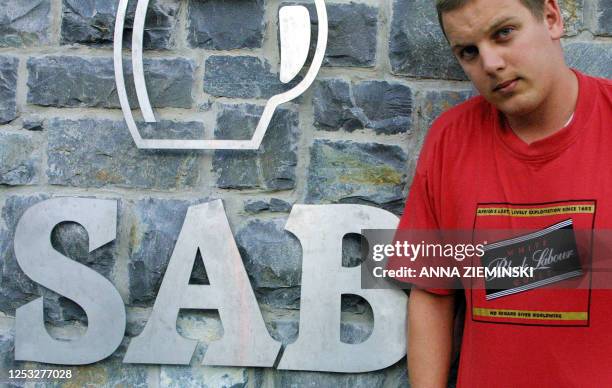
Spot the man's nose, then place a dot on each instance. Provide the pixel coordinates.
(492, 60)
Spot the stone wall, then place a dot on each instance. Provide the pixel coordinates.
(210, 65)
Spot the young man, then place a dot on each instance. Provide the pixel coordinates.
(536, 141)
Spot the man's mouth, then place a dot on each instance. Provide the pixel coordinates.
(506, 86)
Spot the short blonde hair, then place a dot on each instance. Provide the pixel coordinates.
(536, 7)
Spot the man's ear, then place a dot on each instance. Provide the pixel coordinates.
(553, 19)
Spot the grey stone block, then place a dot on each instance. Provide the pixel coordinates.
(333, 108)
(380, 105)
(590, 57)
(92, 22)
(69, 81)
(91, 153)
(272, 167)
(271, 255)
(15, 287)
(352, 34)
(69, 239)
(417, 47)
(242, 77)
(274, 205)
(226, 24)
(603, 18)
(349, 172)
(33, 124)
(8, 87)
(154, 228)
(278, 205)
(20, 155)
(256, 206)
(24, 22)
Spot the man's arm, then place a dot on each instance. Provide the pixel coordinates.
(430, 338)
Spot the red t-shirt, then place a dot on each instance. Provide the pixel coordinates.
(475, 173)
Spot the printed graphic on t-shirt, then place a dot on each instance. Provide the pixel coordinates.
(562, 296)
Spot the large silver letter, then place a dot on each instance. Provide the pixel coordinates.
(320, 229)
(90, 290)
(245, 341)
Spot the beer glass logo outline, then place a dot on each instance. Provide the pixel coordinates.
(294, 24)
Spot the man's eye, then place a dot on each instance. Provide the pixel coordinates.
(504, 33)
(468, 53)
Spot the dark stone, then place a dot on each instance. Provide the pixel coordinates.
(364, 173)
(333, 108)
(603, 21)
(90, 153)
(590, 57)
(352, 34)
(272, 258)
(380, 105)
(8, 87)
(16, 288)
(417, 47)
(383, 106)
(33, 125)
(278, 205)
(90, 82)
(20, 155)
(272, 166)
(154, 228)
(242, 77)
(92, 22)
(226, 24)
(255, 207)
(24, 22)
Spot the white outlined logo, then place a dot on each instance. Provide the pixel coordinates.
(294, 24)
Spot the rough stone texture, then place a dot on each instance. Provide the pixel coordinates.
(69, 239)
(20, 155)
(380, 105)
(204, 377)
(272, 166)
(15, 287)
(273, 259)
(274, 205)
(349, 172)
(69, 81)
(91, 153)
(603, 19)
(24, 22)
(8, 87)
(417, 47)
(352, 34)
(154, 227)
(591, 58)
(92, 22)
(242, 77)
(226, 24)
(284, 378)
(572, 12)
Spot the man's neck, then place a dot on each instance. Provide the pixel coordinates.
(552, 115)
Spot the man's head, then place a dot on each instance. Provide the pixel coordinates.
(510, 49)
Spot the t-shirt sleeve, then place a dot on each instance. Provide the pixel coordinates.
(419, 216)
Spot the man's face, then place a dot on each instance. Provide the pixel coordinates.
(508, 53)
